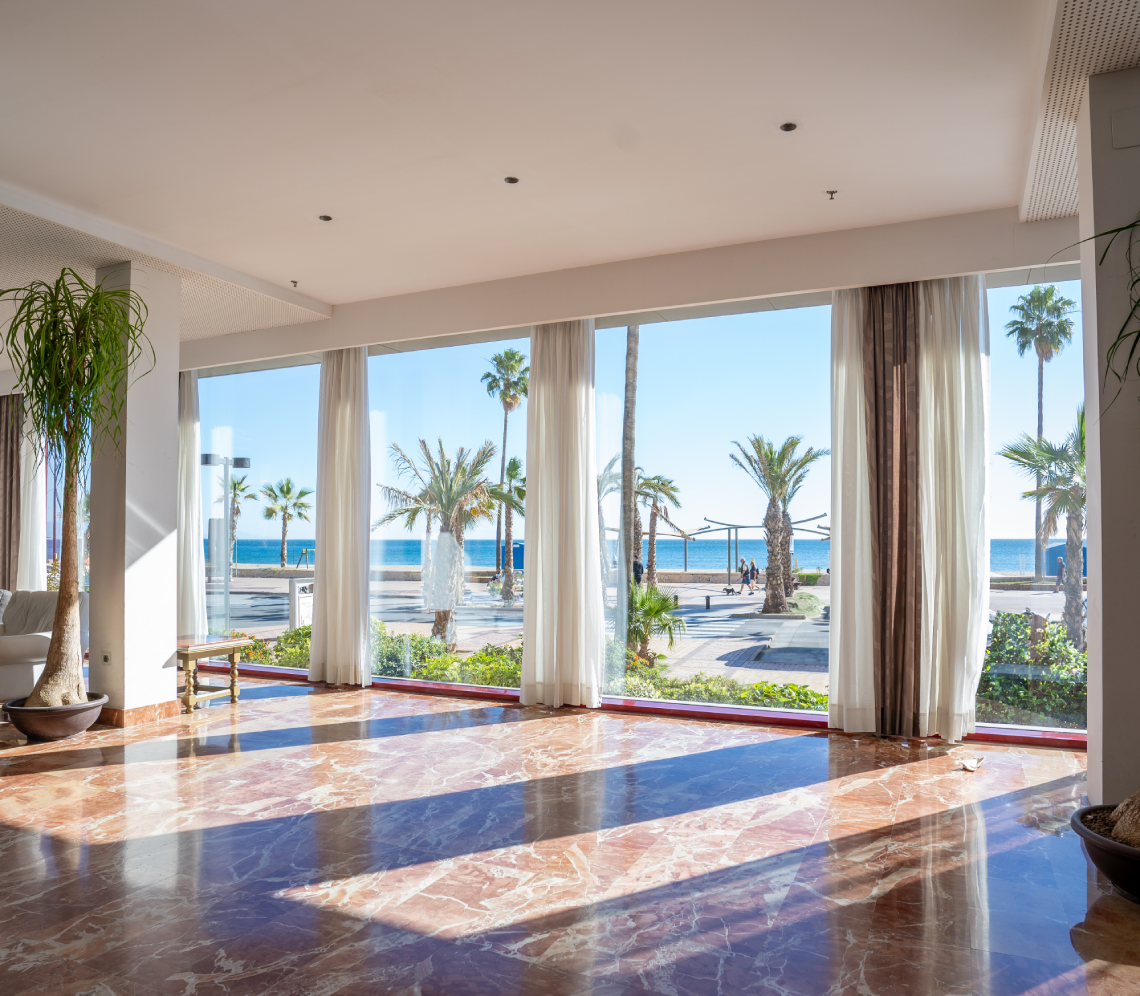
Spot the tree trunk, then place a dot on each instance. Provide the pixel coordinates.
(651, 559)
(502, 481)
(628, 433)
(603, 547)
(61, 682)
(1039, 540)
(425, 558)
(638, 535)
(284, 534)
(1074, 616)
(508, 557)
(786, 556)
(774, 598)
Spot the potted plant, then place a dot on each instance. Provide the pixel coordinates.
(1112, 839)
(72, 346)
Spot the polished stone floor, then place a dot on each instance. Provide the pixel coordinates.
(346, 842)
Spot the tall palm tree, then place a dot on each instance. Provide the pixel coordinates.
(1041, 324)
(1060, 469)
(657, 493)
(455, 492)
(609, 482)
(780, 472)
(515, 485)
(628, 476)
(239, 492)
(509, 381)
(286, 500)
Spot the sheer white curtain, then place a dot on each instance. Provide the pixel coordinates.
(851, 685)
(339, 647)
(191, 553)
(953, 482)
(563, 627)
(31, 563)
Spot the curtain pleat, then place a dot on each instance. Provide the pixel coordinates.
(563, 623)
(11, 433)
(953, 486)
(851, 685)
(339, 647)
(890, 372)
(191, 551)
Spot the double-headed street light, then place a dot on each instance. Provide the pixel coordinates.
(226, 463)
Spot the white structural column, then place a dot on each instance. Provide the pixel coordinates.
(1108, 149)
(31, 566)
(563, 626)
(134, 535)
(191, 552)
(338, 650)
(851, 697)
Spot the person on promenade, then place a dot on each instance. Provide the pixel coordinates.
(1060, 574)
(745, 578)
(637, 571)
(754, 572)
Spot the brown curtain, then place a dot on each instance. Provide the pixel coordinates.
(890, 371)
(11, 430)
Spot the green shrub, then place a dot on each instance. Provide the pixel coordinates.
(400, 655)
(805, 602)
(809, 577)
(260, 653)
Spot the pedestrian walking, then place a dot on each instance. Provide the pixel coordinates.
(745, 578)
(1060, 574)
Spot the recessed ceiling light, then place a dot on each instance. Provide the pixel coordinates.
(510, 179)
(788, 126)
(326, 217)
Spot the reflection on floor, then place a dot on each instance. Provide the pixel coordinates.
(348, 842)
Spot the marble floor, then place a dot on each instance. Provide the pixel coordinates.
(316, 841)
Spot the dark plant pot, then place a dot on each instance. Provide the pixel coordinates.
(1119, 862)
(54, 722)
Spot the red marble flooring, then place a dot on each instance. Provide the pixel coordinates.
(313, 841)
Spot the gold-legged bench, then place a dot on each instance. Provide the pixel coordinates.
(193, 648)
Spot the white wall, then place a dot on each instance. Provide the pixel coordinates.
(937, 247)
(134, 516)
(1110, 196)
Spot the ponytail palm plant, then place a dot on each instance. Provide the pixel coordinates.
(73, 346)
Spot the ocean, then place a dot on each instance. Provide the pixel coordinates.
(706, 554)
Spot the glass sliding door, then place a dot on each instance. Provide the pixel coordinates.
(1035, 668)
(448, 548)
(259, 470)
(716, 569)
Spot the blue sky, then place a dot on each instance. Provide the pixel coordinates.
(702, 384)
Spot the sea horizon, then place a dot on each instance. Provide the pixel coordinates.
(1006, 555)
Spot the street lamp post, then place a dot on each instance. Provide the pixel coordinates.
(227, 464)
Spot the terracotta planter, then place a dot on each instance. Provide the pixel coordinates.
(1118, 862)
(54, 722)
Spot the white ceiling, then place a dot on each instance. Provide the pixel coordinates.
(637, 128)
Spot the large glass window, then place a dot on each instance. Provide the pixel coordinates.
(731, 483)
(1035, 670)
(446, 596)
(259, 443)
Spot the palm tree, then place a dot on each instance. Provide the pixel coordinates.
(516, 486)
(628, 473)
(652, 612)
(1041, 324)
(780, 473)
(286, 500)
(456, 492)
(609, 482)
(657, 493)
(239, 492)
(1060, 471)
(509, 380)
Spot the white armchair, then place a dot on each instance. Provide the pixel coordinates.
(26, 619)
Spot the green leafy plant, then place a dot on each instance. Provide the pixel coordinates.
(652, 613)
(508, 380)
(73, 347)
(286, 500)
(398, 655)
